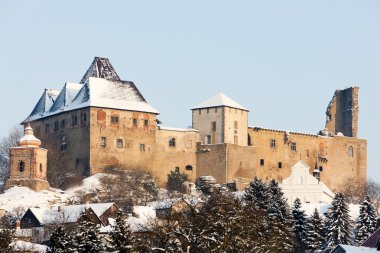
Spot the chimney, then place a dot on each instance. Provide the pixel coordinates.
(18, 224)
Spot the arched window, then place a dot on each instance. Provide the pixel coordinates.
(189, 167)
(21, 166)
(41, 167)
(351, 151)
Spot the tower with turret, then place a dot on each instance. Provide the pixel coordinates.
(28, 163)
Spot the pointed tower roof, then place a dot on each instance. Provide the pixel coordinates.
(29, 140)
(101, 68)
(46, 101)
(220, 100)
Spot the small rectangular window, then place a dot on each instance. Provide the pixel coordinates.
(216, 109)
(213, 126)
(236, 125)
(146, 122)
(74, 120)
(189, 144)
(38, 130)
(119, 143)
(142, 147)
(63, 123)
(63, 143)
(208, 138)
(47, 128)
(200, 111)
(103, 141)
(236, 140)
(135, 122)
(56, 124)
(293, 146)
(171, 142)
(280, 165)
(114, 119)
(208, 110)
(273, 143)
(261, 162)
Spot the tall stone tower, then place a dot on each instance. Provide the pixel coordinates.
(28, 163)
(221, 120)
(343, 112)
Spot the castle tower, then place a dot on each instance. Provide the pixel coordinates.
(28, 163)
(343, 112)
(221, 120)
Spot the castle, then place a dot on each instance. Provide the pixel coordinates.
(103, 121)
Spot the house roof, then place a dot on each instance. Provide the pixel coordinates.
(220, 100)
(99, 87)
(373, 240)
(67, 214)
(351, 249)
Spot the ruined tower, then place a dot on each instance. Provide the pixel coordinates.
(343, 111)
(28, 163)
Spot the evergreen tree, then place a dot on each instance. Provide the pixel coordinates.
(86, 238)
(299, 223)
(257, 193)
(338, 223)
(121, 235)
(314, 232)
(60, 241)
(366, 222)
(176, 180)
(281, 235)
(6, 237)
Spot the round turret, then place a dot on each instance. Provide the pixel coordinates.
(29, 140)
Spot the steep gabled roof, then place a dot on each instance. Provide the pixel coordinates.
(66, 96)
(101, 68)
(46, 101)
(220, 100)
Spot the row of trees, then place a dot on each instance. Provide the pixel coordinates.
(259, 221)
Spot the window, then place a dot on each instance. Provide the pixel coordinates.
(114, 119)
(236, 125)
(208, 110)
(119, 143)
(63, 124)
(74, 120)
(103, 141)
(208, 138)
(280, 165)
(142, 147)
(261, 162)
(216, 109)
(189, 144)
(146, 122)
(213, 126)
(320, 168)
(56, 126)
(84, 117)
(77, 161)
(135, 122)
(200, 111)
(47, 128)
(38, 130)
(63, 143)
(189, 167)
(41, 169)
(21, 166)
(171, 142)
(351, 151)
(235, 139)
(273, 143)
(293, 146)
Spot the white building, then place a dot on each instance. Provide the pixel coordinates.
(301, 184)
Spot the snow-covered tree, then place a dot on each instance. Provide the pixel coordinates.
(6, 237)
(366, 222)
(299, 223)
(86, 238)
(257, 193)
(60, 241)
(282, 236)
(122, 239)
(338, 223)
(314, 232)
(176, 180)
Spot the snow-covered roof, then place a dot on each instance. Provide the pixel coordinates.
(177, 129)
(67, 214)
(353, 249)
(100, 87)
(22, 246)
(220, 100)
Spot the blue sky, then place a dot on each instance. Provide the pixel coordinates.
(281, 59)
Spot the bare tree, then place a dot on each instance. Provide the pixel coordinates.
(6, 142)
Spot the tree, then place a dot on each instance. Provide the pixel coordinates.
(122, 239)
(366, 222)
(257, 193)
(338, 222)
(86, 238)
(6, 237)
(6, 142)
(299, 223)
(314, 232)
(176, 180)
(60, 241)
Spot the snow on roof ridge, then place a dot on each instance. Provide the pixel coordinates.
(220, 99)
(178, 129)
(101, 67)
